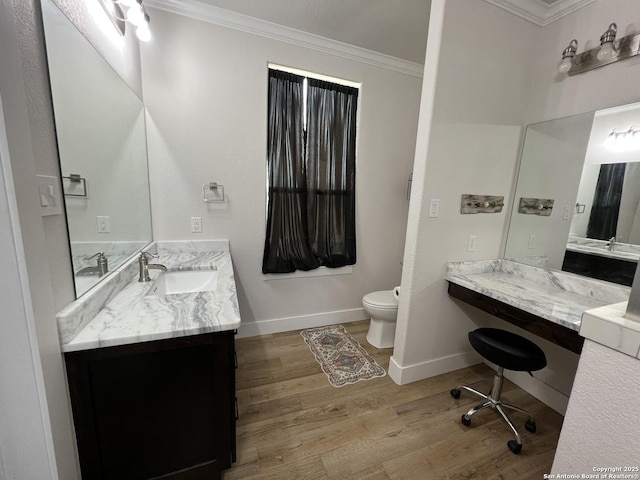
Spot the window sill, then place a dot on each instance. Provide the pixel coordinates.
(318, 272)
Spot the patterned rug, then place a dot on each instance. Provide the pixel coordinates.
(340, 356)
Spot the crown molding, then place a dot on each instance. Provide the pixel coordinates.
(226, 18)
(537, 11)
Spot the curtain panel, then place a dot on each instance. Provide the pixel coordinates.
(603, 221)
(311, 195)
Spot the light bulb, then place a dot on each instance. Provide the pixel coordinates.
(135, 15)
(565, 65)
(606, 52)
(143, 33)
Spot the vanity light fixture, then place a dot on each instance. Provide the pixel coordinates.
(567, 56)
(609, 51)
(132, 12)
(624, 140)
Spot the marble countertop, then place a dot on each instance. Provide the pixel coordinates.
(609, 327)
(132, 317)
(621, 251)
(556, 296)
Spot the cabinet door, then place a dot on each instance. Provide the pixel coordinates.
(147, 410)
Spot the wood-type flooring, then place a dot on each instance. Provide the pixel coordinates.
(294, 425)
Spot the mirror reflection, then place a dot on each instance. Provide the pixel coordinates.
(588, 164)
(100, 127)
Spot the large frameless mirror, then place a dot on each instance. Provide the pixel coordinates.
(588, 165)
(100, 124)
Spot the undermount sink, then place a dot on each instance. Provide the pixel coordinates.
(184, 281)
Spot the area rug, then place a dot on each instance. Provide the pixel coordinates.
(340, 355)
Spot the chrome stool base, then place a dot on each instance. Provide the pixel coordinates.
(493, 401)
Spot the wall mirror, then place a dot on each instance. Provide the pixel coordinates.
(100, 126)
(588, 165)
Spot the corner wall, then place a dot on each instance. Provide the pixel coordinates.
(510, 84)
(206, 93)
(469, 138)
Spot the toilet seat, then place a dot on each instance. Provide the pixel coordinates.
(384, 300)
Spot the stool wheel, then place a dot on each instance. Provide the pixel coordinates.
(455, 393)
(465, 421)
(514, 446)
(530, 425)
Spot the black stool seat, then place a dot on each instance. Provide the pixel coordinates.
(510, 351)
(507, 349)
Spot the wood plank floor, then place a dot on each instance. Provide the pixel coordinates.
(294, 425)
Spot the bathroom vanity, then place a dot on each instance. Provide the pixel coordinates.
(152, 373)
(597, 259)
(546, 302)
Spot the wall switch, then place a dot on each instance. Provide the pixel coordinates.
(104, 224)
(532, 242)
(49, 194)
(471, 243)
(566, 214)
(196, 224)
(434, 207)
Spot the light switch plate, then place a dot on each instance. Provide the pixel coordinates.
(48, 191)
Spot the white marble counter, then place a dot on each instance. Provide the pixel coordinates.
(556, 296)
(609, 327)
(131, 316)
(600, 248)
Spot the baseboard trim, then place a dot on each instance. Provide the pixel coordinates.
(541, 390)
(532, 385)
(437, 366)
(287, 324)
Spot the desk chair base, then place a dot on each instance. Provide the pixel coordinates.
(493, 401)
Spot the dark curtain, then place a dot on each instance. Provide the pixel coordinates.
(311, 199)
(331, 169)
(603, 221)
(287, 239)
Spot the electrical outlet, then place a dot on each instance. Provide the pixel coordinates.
(196, 224)
(434, 207)
(566, 214)
(471, 243)
(104, 224)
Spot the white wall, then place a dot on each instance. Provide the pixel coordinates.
(206, 93)
(587, 189)
(600, 428)
(555, 95)
(469, 135)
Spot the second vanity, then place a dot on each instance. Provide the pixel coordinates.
(546, 302)
(152, 376)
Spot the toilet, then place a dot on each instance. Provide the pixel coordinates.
(382, 307)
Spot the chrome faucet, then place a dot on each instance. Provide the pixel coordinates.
(143, 262)
(100, 269)
(611, 244)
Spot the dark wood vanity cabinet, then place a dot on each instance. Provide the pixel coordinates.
(603, 268)
(163, 409)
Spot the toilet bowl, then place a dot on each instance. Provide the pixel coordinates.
(382, 307)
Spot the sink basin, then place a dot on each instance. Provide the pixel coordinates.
(184, 281)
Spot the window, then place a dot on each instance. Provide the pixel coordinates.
(311, 171)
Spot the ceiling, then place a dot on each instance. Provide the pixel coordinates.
(394, 27)
(397, 28)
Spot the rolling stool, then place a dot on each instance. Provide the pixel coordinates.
(510, 351)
